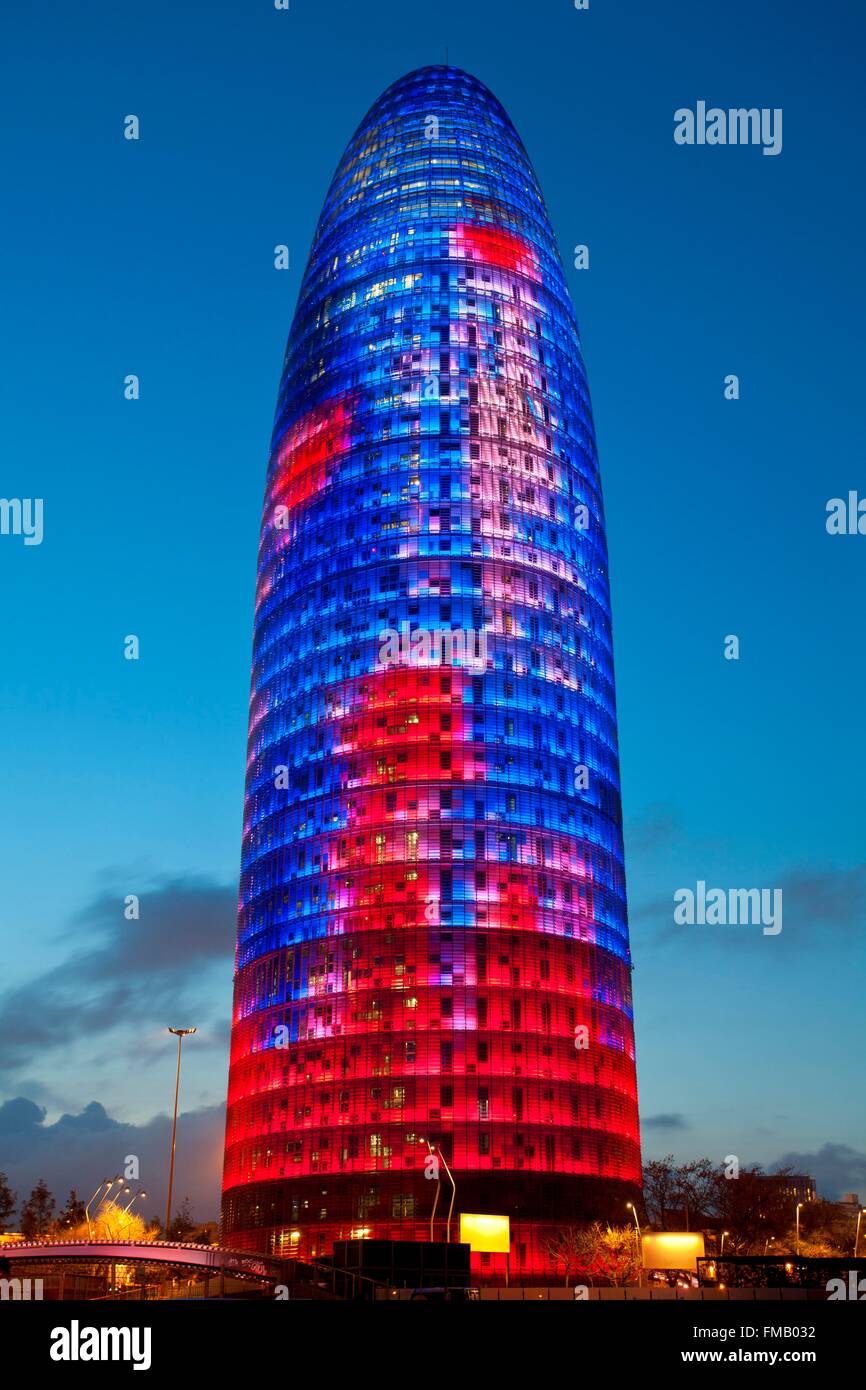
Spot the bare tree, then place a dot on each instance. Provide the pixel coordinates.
(659, 1190)
(696, 1191)
(564, 1248)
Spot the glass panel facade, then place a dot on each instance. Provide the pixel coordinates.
(432, 940)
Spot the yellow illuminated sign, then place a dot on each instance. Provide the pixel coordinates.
(672, 1250)
(485, 1235)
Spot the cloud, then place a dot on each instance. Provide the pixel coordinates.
(818, 905)
(128, 973)
(671, 1121)
(82, 1150)
(836, 1168)
(832, 900)
(648, 832)
(19, 1116)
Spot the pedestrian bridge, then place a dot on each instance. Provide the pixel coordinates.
(211, 1258)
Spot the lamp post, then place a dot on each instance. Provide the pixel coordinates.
(453, 1196)
(799, 1204)
(436, 1151)
(432, 1151)
(134, 1198)
(857, 1233)
(116, 1200)
(123, 1218)
(180, 1034)
(108, 1184)
(631, 1207)
(722, 1251)
(89, 1204)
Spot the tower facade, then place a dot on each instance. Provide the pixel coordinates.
(432, 941)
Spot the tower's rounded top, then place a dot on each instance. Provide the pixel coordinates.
(441, 75)
(436, 145)
(440, 83)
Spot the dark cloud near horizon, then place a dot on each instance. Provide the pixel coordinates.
(83, 1150)
(816, 904)
(646, 833)
(129, 973)
(836, 1168)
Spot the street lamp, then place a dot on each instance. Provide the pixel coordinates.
(722, 1251)
(122, 1193)
(453, 1197)
(857, 1234)
(134, 1198)
(436, 1151)
(799, 1204)
(108, 1184)
(180, 1034)
(631, 1207)
(123, 1217)
(432, 1151)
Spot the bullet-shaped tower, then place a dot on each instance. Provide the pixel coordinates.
(432, 939)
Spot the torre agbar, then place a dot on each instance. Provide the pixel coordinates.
(432, 944)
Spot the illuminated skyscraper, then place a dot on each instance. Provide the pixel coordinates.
(432, 940)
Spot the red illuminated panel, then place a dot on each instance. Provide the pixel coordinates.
(495, 246)
(307, 450)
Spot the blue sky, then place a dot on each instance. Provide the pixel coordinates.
(156, 257)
